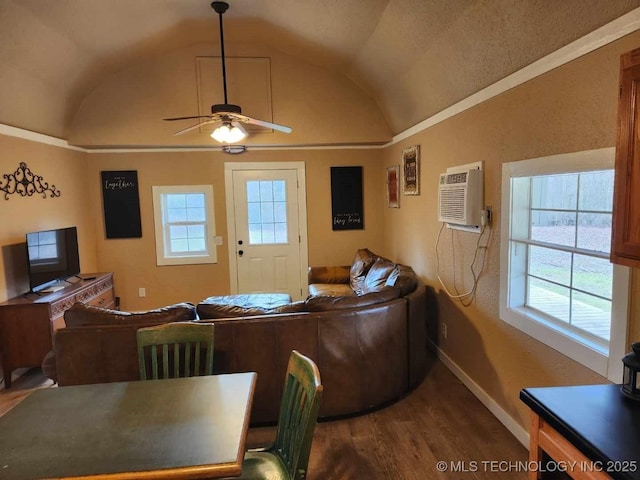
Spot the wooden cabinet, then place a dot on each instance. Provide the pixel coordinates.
(625, 242)
(27, 322)
(589, 431)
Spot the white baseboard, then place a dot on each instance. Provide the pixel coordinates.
(507, 420)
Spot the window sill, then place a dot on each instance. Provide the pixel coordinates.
(588, 353)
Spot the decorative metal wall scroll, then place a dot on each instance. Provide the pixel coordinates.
(25, 183)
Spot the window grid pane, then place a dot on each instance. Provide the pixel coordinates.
(572, 211)
(267, 212)
(186, 225)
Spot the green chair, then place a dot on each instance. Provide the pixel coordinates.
(185, 349)
(288, 458)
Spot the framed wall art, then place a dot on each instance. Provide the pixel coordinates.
(121, 204)
(347, 211)
(411, 170)
(393, 186)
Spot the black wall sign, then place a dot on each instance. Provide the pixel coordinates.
(346, 198)
(121, 204)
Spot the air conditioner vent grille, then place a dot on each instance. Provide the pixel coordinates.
(452, 203)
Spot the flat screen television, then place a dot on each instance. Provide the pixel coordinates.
(52, 255)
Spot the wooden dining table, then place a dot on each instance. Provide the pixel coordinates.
(156, 429)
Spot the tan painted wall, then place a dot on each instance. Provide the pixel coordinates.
(65, 169)
(133, 261)
(320, 105)
(570, 109)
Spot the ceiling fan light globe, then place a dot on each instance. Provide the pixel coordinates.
(236, 135)
(221, 133)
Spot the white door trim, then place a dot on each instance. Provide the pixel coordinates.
(229, 168)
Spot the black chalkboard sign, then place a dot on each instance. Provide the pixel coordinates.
(346, 198)
(121, 204)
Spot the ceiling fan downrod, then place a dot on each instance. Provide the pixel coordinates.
(220, 8)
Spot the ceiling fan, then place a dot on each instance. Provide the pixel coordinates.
(228, 115)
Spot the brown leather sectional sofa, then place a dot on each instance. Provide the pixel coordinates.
(363, 324)
(370, 347)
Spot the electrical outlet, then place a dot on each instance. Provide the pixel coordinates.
(444, 331)
(142, 292)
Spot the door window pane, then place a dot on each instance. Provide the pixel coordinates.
(253, 191)
(267, 212)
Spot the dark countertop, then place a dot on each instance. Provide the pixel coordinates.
(597, 419)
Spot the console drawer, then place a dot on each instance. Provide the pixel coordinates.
(105, 300)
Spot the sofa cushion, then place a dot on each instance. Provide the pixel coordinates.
(331, 289)
(82, 315)
(376, 278)
(339, 274)
(242, 305)
(360, 266)
(323, 303)
(404, 278)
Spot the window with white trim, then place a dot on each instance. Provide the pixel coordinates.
(557, 283)
(184, 224)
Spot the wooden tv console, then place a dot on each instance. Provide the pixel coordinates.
(27, 322)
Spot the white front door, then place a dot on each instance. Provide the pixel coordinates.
(266, 232)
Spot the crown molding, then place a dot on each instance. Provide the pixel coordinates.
(37, 137)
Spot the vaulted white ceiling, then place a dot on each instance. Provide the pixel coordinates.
(412, 57)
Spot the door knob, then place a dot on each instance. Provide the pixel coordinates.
(239, 242)
(240, 252)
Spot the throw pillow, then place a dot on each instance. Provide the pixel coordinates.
(360, 266)
(376, 278)
(404, 278)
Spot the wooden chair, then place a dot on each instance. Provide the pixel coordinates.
(187, 342)
(288, 458)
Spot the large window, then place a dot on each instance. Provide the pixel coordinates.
(557, 283)
(184, 224)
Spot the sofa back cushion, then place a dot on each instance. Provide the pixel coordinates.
(376, 278)
(323, 303)
(360, 266)
(330, 275)
(83, 315)
(404, 278)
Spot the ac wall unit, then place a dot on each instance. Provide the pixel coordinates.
(460, 198)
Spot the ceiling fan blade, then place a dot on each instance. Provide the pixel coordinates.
(262, 123)
(187, 118)
(193, 127)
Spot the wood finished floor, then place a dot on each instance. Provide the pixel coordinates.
(441, 420)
